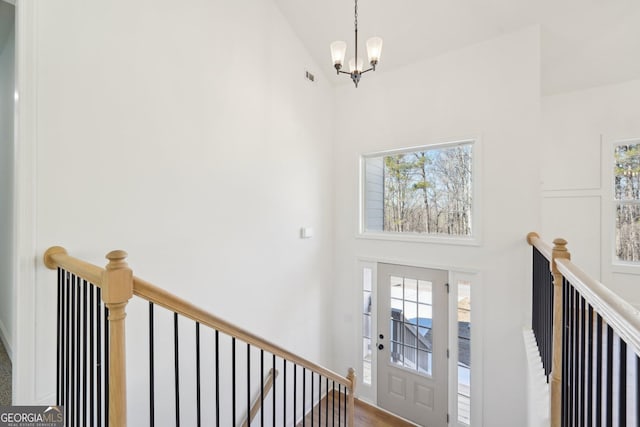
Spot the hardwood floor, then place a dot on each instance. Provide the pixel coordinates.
(365, 415)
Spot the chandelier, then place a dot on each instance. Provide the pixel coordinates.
(339, 48)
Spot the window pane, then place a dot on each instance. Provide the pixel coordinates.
(410, 357)
(367, 279)
(366, 302)
(366, 326)
(425, 292)
(410, 335)
(464, 352)
(628, 232)
(627, 171)
(411, 312)
(366, 373)
(410, 289)
(396, 287)
(397, 331)
(396, 354)
(426, 191)
(424, 362)
(366, 349)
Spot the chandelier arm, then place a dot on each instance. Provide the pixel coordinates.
(367, 70)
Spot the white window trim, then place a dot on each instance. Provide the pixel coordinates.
(476, 219)
(367, 392)
(609, 208)
(476, 346)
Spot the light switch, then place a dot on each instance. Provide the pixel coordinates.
(306, 232)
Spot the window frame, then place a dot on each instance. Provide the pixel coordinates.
(619, 266)
(474, 239)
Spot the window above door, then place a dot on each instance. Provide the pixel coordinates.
(427, 193)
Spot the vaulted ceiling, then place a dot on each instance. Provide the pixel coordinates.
(584, 43)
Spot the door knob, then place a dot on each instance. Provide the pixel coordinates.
(380, 346)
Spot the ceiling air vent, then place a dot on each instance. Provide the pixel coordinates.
(309, 76)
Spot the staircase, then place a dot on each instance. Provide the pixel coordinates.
(195, 368)
(588, 340)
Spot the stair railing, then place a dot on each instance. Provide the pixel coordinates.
(91, 357)
(589, 341)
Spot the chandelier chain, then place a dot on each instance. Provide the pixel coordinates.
(356, 15)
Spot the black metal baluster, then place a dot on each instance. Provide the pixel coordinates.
(320, 400)
(92, 360)
(304, 400)
(622, 384)
(217, 342)
(284, 393)
(233, 381)
(107, 357)
(78, 365)
(249, 382)
(609, 401)
(565, 351)
(84, 348)
(67, 356)
(339, 404)
(582, 314)
(599, 353)
(571, 355)
(295, 391)
(152, 374)
(590, 369)
(637, 402)
(99, 359)
(72, 395)
(312, 402)
(327, 401)
(58, 339)
(576, 356)
(273, 394)
(176, 358)
(199, 415)
(262, 387)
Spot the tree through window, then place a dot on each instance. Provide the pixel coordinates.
(426, 191)
(627, 200)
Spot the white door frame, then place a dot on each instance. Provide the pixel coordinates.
(25, 259)
(369, 393)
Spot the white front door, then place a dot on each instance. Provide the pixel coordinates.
(412, 343)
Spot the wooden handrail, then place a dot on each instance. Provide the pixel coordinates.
(118, 285)
(178, 305)
(616, 312)
(56, 256)
(545, 249)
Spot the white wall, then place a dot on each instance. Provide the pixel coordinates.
(6, 184)
(578, 127)
(185, 133)
(490, 90)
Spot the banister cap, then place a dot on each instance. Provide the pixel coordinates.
(48, 256)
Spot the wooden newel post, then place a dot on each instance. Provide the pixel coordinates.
(351, 403)
(117, 290)
(559, 252)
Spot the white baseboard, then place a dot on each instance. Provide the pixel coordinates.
(5, 341)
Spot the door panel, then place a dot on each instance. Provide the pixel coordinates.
(412, 329)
